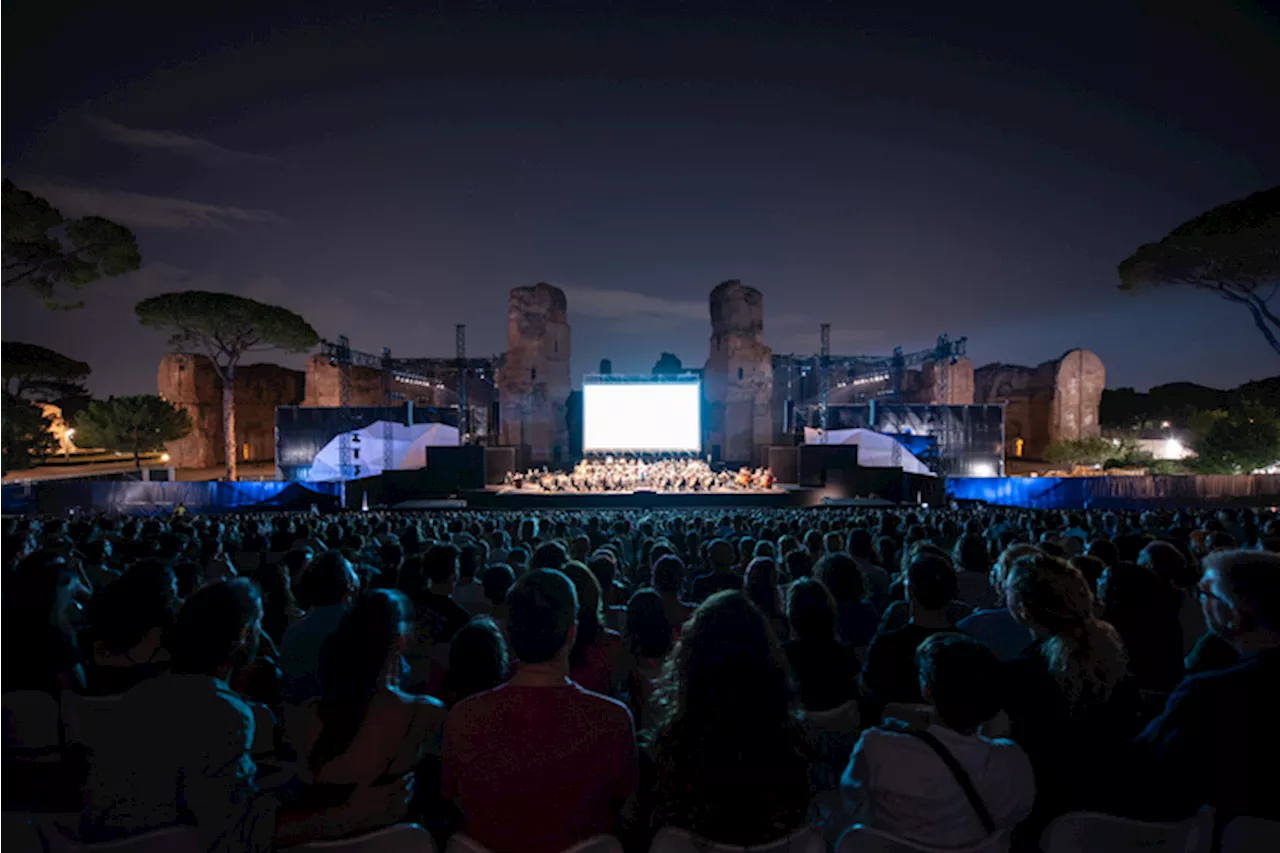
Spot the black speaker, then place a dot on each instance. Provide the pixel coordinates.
(498, 463)
(462, 466)
(783, 463)
(809, 471)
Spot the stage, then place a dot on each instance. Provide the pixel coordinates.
(506, 497)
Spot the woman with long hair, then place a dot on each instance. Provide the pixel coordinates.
(596, 659)
(279, 607)
(1071, 701)
(364, 731)
(761, 586)
(731, 758)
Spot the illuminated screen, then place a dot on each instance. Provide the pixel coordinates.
(649, 416)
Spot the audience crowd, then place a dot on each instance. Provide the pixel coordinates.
(534, 679)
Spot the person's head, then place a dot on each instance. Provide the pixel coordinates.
(721, 555)
(1000, 568)
(143, 599)
(327, 580)
(1091, 567)
(1052, 599)
(668, 575)
(970, 555)
(1133, 595)
(859, 544)
(811, 610)
(960, 677)
(543, 617)
(40, 589)
(590, 609)
(549, 555)
(497, 579)
(217, 629)
(440, 565)
(841, 575)
(478, 658)
(1240, 596)
(355, 661)
(648, 631)
(761, 586)
(799, 564)
(1168, 562)
(930, 582)
(1105, 550)
(726, 676)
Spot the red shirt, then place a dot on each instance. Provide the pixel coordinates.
(600, 662)
(538, 769)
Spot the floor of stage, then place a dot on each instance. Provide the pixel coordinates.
(513, 498)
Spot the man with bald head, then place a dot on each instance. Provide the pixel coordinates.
(1217, 741)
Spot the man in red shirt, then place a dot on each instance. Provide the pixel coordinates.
(539, 763)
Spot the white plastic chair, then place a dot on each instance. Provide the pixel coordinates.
(89, 720)
(860, 838)
(672, 840)
(460, 842)
(1251, 835)
(1091, 832)
(174, 839)
(400, 838)
(30, 724)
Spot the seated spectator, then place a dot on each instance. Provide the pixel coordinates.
(973, 567)
(127, 624)
(179, 751)
(720, 559)
(468, 592)
(1217, 742)
(548, 555)
(1144, 609)
(899, 612)
(856, 618)
(363, 731)
(731, 758)
(898, 781)
(798, 564)
(1089, 566)
(1168, 562)
(649, 641)
(577, 761)
(437, 615)
(1070, 700)
(875, 579)
(279, 608)
(95, 558)
(38, 607)
(596, 661)
(329, 583)
(668, 579)
(761, 587)
(478, 660)
(890, 672)
(997, 628)
(498, 579)
(826, 669)
(613, 596)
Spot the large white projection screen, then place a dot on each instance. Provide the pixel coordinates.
(642, 416)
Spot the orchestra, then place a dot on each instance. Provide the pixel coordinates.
(632, 474)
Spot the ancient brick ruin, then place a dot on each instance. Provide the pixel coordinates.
(534, 381)
(190, 381)
(1054, 401)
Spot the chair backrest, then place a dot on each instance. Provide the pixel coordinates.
(30, 723)
(460, 842)
(845, 718)
(866, 839)
(672, 840)
(174, 839)
(1087, 832)
(1251, 835)
(89, 720)
(399, 838)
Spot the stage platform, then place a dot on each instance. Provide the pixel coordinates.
(505, 497)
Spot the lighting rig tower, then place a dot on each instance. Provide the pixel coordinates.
(464, 413)
(824, 377)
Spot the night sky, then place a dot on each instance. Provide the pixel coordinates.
(970, 169)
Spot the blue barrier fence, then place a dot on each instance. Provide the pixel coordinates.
(1119, 492)
(143, 498)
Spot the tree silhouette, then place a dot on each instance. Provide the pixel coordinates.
(1232, 250)
(225, 328)
(131, 424)
(668, 363)
(37, 373)
(43, 250)
(1245, 439)
(25, 434)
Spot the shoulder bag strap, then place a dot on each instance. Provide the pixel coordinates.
(966, 784)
